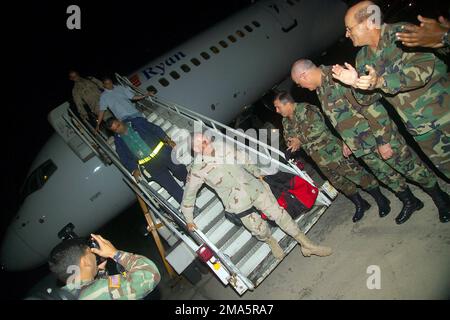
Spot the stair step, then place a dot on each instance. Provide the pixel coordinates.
(172, 131)
(220, 231)
(258, 273)
(254, 257)
(166, 126)
(152, 117)
(159, 122)
(243, 251)
(205, 197)
(207, 215)
(228, 237)
(234, 244)
(214, 223)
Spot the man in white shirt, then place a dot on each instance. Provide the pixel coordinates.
(119, 100)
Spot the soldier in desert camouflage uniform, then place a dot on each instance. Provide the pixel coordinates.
(304, 127)
(141, 275)
(369, 134)
(240, 186)
(86, 91)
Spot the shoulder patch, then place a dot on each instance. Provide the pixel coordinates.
(114, 281)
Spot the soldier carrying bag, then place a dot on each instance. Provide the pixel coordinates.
(293, 193)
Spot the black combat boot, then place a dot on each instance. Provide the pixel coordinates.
(441, 200)
(384, 205)
(361, 206)
(410, 204)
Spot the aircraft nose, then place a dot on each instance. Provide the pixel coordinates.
(16, 255)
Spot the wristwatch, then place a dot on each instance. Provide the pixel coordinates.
(117, 256)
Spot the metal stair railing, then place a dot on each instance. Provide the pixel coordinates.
(217, 126)
(154, 200)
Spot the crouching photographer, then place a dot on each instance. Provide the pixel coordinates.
(76, 263)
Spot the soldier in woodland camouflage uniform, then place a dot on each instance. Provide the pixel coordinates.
(240, 186)
(141, 275)
(415, 83)
(370, 135)
(304, 126)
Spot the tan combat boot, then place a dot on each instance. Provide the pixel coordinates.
(277, 251)
(308, 247)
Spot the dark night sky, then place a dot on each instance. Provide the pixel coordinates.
(115, 36)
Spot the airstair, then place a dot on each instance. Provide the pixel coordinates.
(231, 252)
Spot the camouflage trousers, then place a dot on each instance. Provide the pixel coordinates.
(403, 163)
(436, 145)
(268, 204)
(344, 174)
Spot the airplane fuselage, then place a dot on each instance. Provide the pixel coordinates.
(216, 73)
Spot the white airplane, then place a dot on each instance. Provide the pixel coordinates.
(216, 73)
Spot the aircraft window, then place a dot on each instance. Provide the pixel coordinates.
(256, 24)
(185, 68)
(205, 55)
(223, 44)
(232, 39)
(38, 178)
(164, 82)
(240, 33)
(152, 89)
(175, 75)
(214, 50)
(248, 28)
(195, 62)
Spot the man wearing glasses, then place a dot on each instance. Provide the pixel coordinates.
(415, 83)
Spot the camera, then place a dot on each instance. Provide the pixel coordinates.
(68, 233)
(92, 243)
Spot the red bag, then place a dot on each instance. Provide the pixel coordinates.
(304, 191)
(293, 193)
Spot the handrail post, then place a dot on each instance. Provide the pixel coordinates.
(152, 228)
